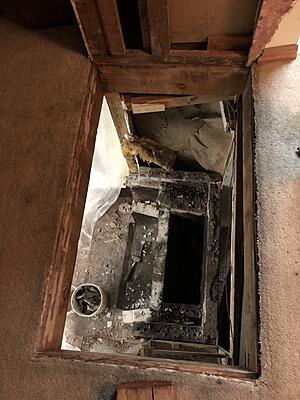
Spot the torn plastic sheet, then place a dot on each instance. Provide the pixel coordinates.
(108, 173)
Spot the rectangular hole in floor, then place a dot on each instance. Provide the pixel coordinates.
(165, 262)
(183, 271)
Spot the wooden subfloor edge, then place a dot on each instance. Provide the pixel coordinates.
(65, 248)
(146, 362)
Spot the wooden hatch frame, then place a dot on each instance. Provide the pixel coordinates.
(161, 75)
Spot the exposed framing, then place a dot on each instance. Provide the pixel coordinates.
(61, 271)
(217, 73)
(270, 15)
(65, 250)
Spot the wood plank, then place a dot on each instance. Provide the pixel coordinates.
(119, 115)
(121, 394)
(147, 108)
(62, 267)
(229, 42)
(138, 393)
(174, 79)
(144, 363)
(213, 57)
(142, 4)
(279, 53)
(249, 347)
(172, 101)
(270, 15)
(163, 393)
(220, 58)
(158, 16)
(91, 30)
(145, 391)
(112, 26)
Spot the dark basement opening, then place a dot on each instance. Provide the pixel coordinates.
(130, 23)
(182, 284)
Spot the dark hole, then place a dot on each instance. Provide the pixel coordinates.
(183, 272)
(223, 317)
(130, 22)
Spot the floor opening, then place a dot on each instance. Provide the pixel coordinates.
(184, 259)
(155, 273)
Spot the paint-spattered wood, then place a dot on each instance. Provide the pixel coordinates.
(174, 79)
(270, 15)
(89, 23)
(61, 270)
(112, 26)
(145, 391)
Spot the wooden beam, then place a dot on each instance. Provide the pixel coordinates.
(228, 42)
(279, 53)
(220, 58)
(89, 23)
(174, 79)
(118, 114)
(145, 362)
(171, 101)
(143, 108)
(158, 15)
(270, 15)
(62, 267)
(112, 26)
(142, 4)
(249, 342)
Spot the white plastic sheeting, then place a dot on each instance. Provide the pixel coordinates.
(108, 173)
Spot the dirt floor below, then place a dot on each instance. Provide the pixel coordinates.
(102, 265)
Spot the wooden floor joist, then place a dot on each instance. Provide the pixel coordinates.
(158, 17)
(171, 101)
(88, 19)
(112, 26)
(174, 79)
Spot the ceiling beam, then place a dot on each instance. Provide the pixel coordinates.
(270, 15)
(158, 16)
(88, 19)
(170, 101)
(220, 58)
(112, 26)
(174, 79)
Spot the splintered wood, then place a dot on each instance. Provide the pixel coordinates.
(145, 391)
